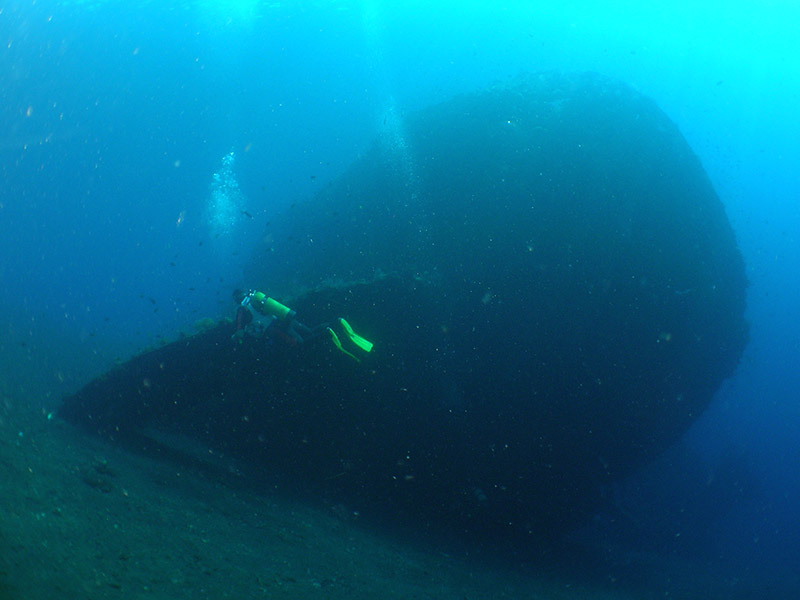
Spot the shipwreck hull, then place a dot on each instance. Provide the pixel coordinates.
(554, 293)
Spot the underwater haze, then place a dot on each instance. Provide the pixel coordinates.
(147, 147)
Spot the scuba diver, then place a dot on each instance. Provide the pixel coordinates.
(260, 316)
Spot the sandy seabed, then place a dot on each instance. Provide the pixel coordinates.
(82, 518)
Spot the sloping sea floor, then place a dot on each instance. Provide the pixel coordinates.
(81, 518)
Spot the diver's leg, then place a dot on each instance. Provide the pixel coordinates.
(310, 333)
(303, 333)
(297, 331)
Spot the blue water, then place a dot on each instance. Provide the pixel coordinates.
(144, 146)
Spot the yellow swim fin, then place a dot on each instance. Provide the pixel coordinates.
(338, 344)
(359, 341)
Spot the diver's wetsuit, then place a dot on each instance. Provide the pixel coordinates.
(261, 316)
